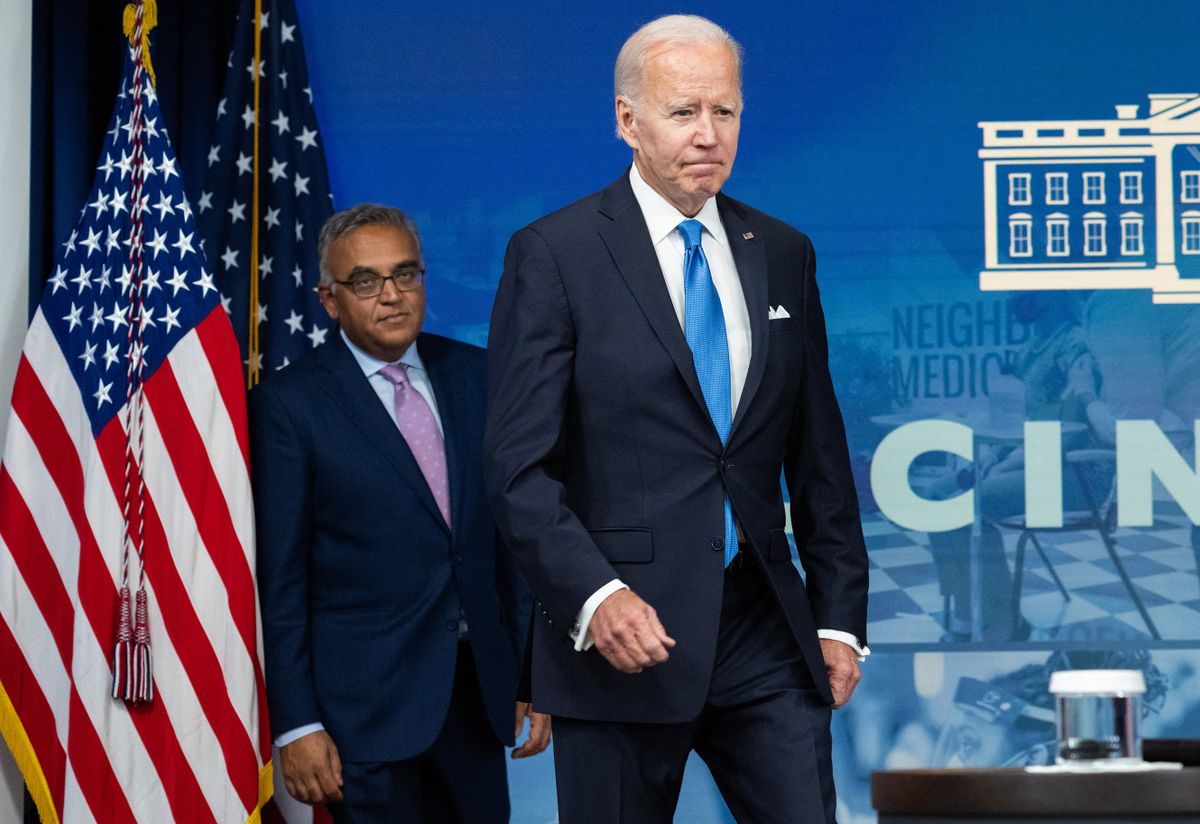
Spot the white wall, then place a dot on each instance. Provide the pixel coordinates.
(16, 33)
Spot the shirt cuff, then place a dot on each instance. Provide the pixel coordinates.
(579, 632)
(296, 734)
(846, 638)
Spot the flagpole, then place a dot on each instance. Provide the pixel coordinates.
(252, 344)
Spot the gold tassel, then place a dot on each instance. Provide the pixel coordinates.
(149, 21)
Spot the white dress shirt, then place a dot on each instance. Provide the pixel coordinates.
(662, 220)
(385, 390)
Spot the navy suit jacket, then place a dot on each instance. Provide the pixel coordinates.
(360, 579)
(602, 460)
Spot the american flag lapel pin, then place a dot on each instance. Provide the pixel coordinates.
(748, 236)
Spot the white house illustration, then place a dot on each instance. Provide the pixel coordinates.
(1096, 204)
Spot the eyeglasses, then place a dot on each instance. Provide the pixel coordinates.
(369, 284)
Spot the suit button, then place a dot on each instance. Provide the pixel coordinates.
(452, 624)
(717, 543)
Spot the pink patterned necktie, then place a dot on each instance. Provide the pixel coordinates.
(421, 432)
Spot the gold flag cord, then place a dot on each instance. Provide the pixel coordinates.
(252, 344)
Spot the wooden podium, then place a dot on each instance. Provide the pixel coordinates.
(1009, 796)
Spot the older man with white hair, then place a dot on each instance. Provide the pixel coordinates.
(657, 359)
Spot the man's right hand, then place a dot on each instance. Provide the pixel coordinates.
(312, 769)
(627, 632)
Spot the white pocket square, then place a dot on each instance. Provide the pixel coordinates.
(777, 312)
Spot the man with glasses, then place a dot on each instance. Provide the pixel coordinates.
(392, 628)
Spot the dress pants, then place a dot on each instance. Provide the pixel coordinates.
(461, 779)
(763, 732)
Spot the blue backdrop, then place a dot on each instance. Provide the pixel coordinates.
(862, 128)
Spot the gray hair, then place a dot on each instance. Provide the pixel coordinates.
(671, 30)
(346, 221)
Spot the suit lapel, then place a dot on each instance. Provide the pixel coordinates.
(750, 257)
(351, 391)
(628, 242)
(448, 393)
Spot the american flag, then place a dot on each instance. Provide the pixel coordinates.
(129, 387)
(278, 253)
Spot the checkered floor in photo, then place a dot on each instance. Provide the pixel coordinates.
(906, 604)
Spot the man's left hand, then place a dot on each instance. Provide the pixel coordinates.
(841, 661)
(539, 731)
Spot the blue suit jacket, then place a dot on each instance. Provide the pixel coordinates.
(602, 461)
(360, 579)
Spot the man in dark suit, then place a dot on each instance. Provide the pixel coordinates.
(392, 629)
(657, 358)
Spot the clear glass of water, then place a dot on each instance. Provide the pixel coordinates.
(1098, 716)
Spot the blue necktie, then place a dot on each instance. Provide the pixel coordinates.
(704, 328)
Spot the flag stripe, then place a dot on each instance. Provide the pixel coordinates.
(29, 553)
(217, 425)
(94, 767)
(220, 348)
(75, 806)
